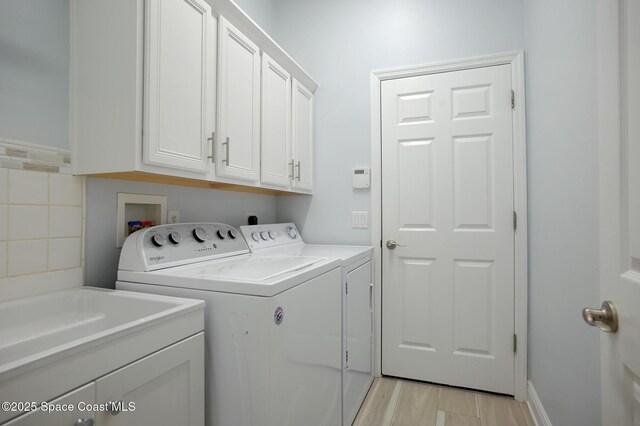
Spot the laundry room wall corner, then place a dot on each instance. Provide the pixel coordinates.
(564, 353)
(343, 42)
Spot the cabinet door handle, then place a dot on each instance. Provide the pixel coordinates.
(371, 297)
(213, 145)
(298, 167)
(291, 165)
(226, 160)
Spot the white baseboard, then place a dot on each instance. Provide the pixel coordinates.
(535, 407)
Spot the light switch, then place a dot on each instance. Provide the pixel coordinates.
(354, 219)
(359, 219)
(363, 220)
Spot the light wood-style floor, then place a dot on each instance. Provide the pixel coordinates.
(402, 402)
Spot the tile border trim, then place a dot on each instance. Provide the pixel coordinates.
(20, 155)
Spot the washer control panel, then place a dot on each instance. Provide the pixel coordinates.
(271, 235)
(178, 244)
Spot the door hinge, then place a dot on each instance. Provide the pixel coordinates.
(380, 243)
(513, 99)
(515, 343)
(346, 288)
(347, 356)
(515, 220)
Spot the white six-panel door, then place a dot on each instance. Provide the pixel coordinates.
(618, 106)
(447, 196)
(238, 146)
(179, 84)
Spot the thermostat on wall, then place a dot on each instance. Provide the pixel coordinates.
(361, 178)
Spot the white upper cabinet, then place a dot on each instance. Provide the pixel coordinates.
(179, 83)
(238, 136)
(187, 89)
(277, 164)
(302, 134)
(142, 83)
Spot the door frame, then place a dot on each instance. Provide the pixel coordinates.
(516, 60)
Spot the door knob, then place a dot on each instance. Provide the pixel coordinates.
(605, 318)
(392, 244)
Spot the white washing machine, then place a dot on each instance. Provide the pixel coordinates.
(272, 323)
(357, 301)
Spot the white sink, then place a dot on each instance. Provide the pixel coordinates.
(37, 327)
(62, 335)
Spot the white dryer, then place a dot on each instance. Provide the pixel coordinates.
(357, 301)
(272, 323)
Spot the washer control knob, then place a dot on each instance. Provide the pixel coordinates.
(292, 232)
(158, 240)
(199, 234)
(255, 236)
(264, 235)
(220, 234)
(272, 235)
(233, 234)
(175, 238)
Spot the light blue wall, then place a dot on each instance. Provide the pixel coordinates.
(34, 71)
(339, 43)
(564, 354)
(261, 11)
(194, 204)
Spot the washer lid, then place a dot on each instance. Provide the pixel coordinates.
(254, 268)
(256, 275)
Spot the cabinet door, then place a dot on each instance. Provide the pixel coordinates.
(277, 165)
(167, 388)
(78, 399)
(179, 80)
(302, 133)
(358, 339)
(238, 152)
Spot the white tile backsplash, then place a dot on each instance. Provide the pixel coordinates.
(27, 257)
(4, 186)
(41, 232)
(64, 253)
(4, 220)
(27, 187)
(65, 190)
(3, 259)
(65, 221)
(28, 222)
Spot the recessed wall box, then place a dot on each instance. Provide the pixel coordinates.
(132, 207)
(362, 178)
